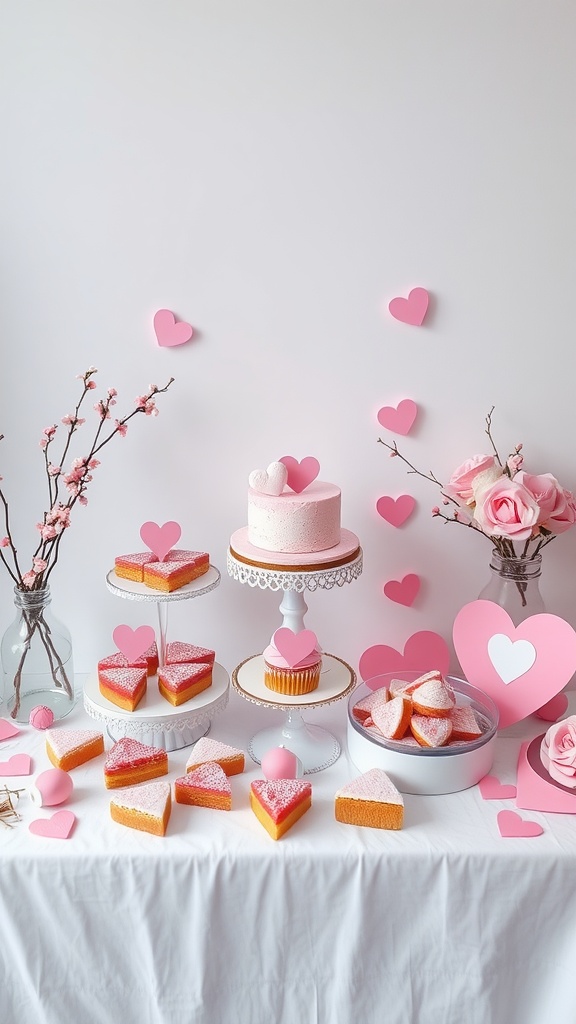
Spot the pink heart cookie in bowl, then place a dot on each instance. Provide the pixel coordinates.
(269, 481)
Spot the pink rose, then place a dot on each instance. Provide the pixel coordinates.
(557, 509)
(480, 470)
(559, 748)
(506, 509)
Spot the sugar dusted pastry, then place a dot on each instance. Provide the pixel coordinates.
(430, 731)
(393, 717)
(145, 807)
(178, 653)
(170, 575)
(179, 683)
(464, 724)
(68, 748)
(205, 786)
(124, 687)
(371, 800)
(119, 660)
(131, 567)
(279, 803)
(362, 710)
(433, 698)
(230, 759)
(129, 762)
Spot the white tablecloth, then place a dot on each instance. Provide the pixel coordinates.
(444, 922)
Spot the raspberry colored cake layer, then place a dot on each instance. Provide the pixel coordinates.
(205, 786)
(177, 653)
(230, 759)
(179, 683)
(131, 567)
(171, 575)
(278, 803)
(68, 748)
(289, 522)
(146, 807)
(124, 687)
(129, 762)
(371, 800)
(151, 656)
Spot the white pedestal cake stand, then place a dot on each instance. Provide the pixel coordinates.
(316, 747)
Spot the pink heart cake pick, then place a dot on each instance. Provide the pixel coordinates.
(133, 642)
(294, 647)
(411, 310)
(396, 510)
(58, 826)
(400, 419)
(169, 331)
(160, 539)
(300, 474)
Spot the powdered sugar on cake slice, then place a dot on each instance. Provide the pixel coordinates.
(119, 660)
(375, 785)
(430, 731)
(207, 749)
(125, 681)
(129, 753)
(393, 717)
(209, 777)
(434, 698)
(363, 708)
(65, 741)
(180, 677)
(178, 652)
(148, 798)
(280, 796)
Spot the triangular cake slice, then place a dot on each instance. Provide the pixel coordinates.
(179, 683)
(371, 800)
(363, 708)
(205, 786)
(119, 660)
(131, 567)
(175, 573)
(129, 762)
(178, 652)
(231, 759)
(124, 687)
(145, 807)
(278, 803)
(67, 748)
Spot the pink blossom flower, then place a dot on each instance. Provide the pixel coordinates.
(557, 510)
(83, 499)
(514, 463)
(93, 463)
(54, 470)
(435, 511)
(506, 509)
(479, 471)
(68, 419)
(112, 392)
(559, 747)
(38, 565)
(90, 384)
(28, 579)
(122, 428)
(5, 542)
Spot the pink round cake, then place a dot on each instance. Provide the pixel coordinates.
(295, 523)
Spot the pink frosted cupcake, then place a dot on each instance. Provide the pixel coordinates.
(292, 662)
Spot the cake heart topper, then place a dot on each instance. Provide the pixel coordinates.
(160, 539)
(169, 331)
(396, 510)
(269, 481)
(132, 643)
(294, 647)
(300, 474)
(7, 730)
(411, 310)
(58, 826)
(502, 669)
(403, 591)
(18, 764)
(400, 418)
(421, 651)
(512, 826)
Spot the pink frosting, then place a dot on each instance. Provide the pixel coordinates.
(273, 657)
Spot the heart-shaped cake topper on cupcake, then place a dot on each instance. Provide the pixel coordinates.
(133, 643)
(294, 647)
(300, 474)
(269, 481)
(160, 539)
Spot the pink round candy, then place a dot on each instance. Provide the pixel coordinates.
(51, 787)
(41, 717)
(280, 763)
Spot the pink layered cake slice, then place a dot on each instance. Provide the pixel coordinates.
(179, 683)
(129, 762)
(393, 717)
(279, 803)
(430, 731)
(363, 708)
(230, 759)
(371, 800)
(205, 786)
(151, 656)
(171, 575)
(145, 807)
(124, 687)
(119, 660)
(178, 652)
(68, 748)
(131, 567)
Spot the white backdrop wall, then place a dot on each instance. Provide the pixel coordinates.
(275, 173)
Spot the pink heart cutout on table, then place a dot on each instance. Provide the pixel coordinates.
(517, 687)
(512, 826)
(169, 331)
(401, 418)
(403, 591)
(294, 647)
(18, 764)
(300, 474)
(423, 651)
(7, 730)
(492, 789)
(411, 310)
(58, 826)
(396, 510)
(160, 539)
(133, 642)
(553, 709)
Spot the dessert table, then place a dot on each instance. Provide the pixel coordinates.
(444, 921)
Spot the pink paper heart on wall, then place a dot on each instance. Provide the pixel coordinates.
(133, 642)
(300, 474)
(18, 764)
(411, 310)
(160, 539)
(423, 651)
(516, 683)
(399, 419)
(7, 730)
(294, 647)
(512, 826)
(492, 789)
(169, 331)
(396, 510)
(58, 826)
(403, 591)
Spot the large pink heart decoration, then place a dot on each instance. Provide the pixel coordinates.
(423, 651)
(300, 474)
(58, 826)
(400, 418)
(411, 310)
(403, 591)
(160, 539)
(520, 667)
(133, 642)
(7, 730)
(294, 647)
(169, 331)
(18, 764)
(396, 510)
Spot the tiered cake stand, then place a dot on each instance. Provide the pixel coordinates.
(155, 721)
(316, 747)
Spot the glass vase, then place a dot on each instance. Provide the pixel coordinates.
(36, 655)
(514, 585)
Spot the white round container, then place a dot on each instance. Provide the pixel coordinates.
(426, 771)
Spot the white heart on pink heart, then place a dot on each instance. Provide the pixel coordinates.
(7, 730)
(510, 658)
(302, 473)
(169, 331)
(422, 651)
(411, 310)
(132, 643)
(396, 510)
(160, 539)
(403, 591)
(58, 826)
(400, 418)
(269, 481)
(294, 647)
(553, 640)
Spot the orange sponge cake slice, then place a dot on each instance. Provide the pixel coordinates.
(179, 683)
(279, 803)
(129, 762)
(145, 807)
(206, 786)
(231, 759)
(176, 573)
(68, 748)
(131, 567)
(178, 653)
(124, 687)
(371, 800)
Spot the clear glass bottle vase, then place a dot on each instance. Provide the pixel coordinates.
(36, 655)
(514, 585)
